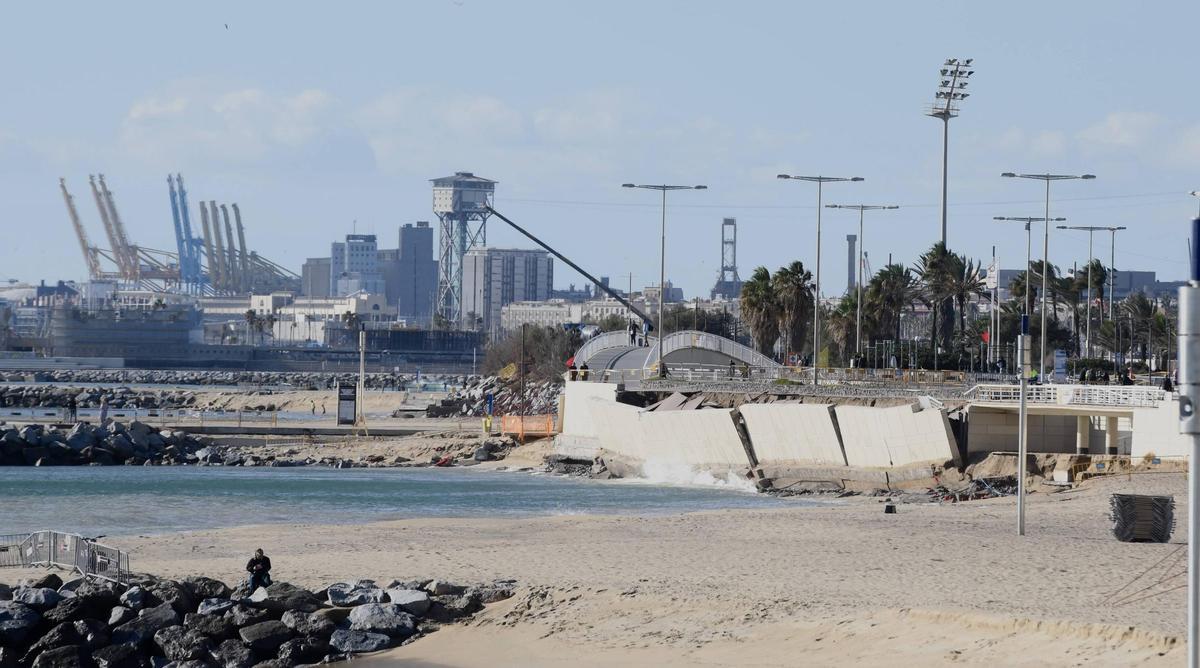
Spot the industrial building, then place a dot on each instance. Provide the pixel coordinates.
(729, 284)
(493, 277)
(461, 204)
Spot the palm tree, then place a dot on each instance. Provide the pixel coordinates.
(935, 268)
(891, 290)
(760, 309)
(966, 283)
(841, 324)
(1141, 312)
(794, 295)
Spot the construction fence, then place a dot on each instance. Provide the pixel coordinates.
(64, 550)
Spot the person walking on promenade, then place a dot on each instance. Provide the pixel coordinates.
(103, 409)
(259, 568)
(72, 409)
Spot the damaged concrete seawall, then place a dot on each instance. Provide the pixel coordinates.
(778, 436)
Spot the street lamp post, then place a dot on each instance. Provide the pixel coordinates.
(860, 208)
(1046, 248)
(1090, 229)
(1196, 193)
(950, 94)
(820, 181)
(1027, 220)
(662, 262)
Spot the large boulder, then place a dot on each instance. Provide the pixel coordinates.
(443, 588)
(93, 632)
(38, 598)
(69, 656)
(119, 615)
(68, 610)
(169, 591)
(308, 623)
(265, 636)
(202, 588)
(386, 618)
(345, 594)
(232, 654)
(244, 615)
(136, 598)
(180, 644)
(60, 635)
(346, 640)
(5, 592)
(303, 650)
(124, 655)
(214, 606)
(49, 580)
(17, 621)
(282, 596)
(412, 601)
(214, 626)
(149, 621)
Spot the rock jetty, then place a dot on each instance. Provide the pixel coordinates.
(539, 398)
(200, 622)
(87, 444)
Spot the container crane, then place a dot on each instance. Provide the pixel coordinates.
(241, 231)
(113, 243)
(124, 249)
(90, 254)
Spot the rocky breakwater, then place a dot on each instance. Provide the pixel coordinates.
(86, 444)
(57, 396)
(538, 398)
(198, 622)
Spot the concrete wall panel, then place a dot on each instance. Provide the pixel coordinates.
(802, 433)
(577, 416)
(1157, 432)
(700, 438)
(898, 436)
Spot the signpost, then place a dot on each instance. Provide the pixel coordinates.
(1025, 357)
(1189, 425)
(347, 403)
(1060, 365)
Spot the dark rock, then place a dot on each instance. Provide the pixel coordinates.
(60, 635)
(141, 630)
(93, 632)
(273, 663)
(344, 594)
(39, 599)
(214, 606)
(169, 591)
(119, 615)
(233, 654)
(5, 592)
(69, 656)
(359, 641)
(243, 615)
(385, 618)
(17, 620)
(202, 588)
(67, 610)
(265, 636)
(303, 650)
(308, 623)
(412, 601)
(214, 626)
(50, 580)
(282, 596)
(180, 644)
(491, 593)
(440, 588)
(124, 655)
(136, 598)
(191, 663)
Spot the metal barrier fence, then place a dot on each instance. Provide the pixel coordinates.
(528, 425)
(65, 550)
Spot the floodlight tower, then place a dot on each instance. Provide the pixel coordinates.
(461, 204)
(950, 94)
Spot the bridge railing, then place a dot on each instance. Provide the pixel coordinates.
(614, 339)
(696, 339)
(1071, 395)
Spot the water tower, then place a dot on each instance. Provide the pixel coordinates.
(459, 202)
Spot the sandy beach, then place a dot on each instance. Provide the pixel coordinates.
(834, 585)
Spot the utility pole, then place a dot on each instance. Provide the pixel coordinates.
(820, 181)
(1023, 421)
(1189, 425)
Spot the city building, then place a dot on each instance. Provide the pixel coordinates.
(493, 277)
(354, 266)
(315, 276)
(674, 294)
(416, 277)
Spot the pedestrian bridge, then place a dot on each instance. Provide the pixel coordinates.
(612, 351)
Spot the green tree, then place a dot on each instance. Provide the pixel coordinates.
(892, 290)
(760, 310)
(793, 288)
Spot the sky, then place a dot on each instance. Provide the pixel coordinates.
(319, 119)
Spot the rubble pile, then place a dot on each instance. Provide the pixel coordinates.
(539, 398)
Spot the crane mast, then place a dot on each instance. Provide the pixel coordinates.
(125, 249)
(109, 232)
(241, 231)
(89, 253)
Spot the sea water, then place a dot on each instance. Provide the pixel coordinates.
(125, 500)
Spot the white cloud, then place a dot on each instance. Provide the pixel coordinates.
(1048, 143)
(1120, 130)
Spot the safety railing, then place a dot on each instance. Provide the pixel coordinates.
(615, 339)
(64, 550)
(1071, 395)
(696, 339)
(528, 425)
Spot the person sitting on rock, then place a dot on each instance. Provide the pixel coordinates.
(259, 568)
